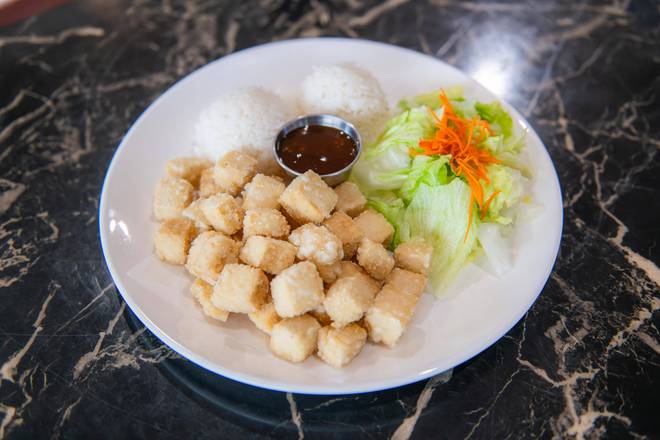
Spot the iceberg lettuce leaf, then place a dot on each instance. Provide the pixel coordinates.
(510, 186)
(378, 166)
(497, 248)
(429, 170)
(392, 208)
(497, 117)
(431, 99)
(439, 215)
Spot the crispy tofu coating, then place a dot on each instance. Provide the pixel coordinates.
(232, 229)
(263, 192)
(295, 339)
(268, 254)
(348, 299)
(348, 269)
(407, 281)
(375, 259)
(297, 290)
(265, 318)
(233, 171)
(374, 226)
(172, 196)
(202, 292)
(265, 221)
(346, 230)
(223, 213)
(194, 213)
(349, 199)
(207, 185)
(209, 253)
(308, 199)
(173, 240)
(321, 315)
(394, 306)
(240, 289)
(414, 256)
(317, 244)
(329, 272)
(338, 346)
(188, 168)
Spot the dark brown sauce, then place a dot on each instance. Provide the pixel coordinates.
(324, 150)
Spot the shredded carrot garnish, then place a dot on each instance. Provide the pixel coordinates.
(460, 137)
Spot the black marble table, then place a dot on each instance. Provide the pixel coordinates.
(583, 363)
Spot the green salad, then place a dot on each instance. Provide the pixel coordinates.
(447, 170)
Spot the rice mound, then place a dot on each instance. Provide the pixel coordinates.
(246, 119)
(349, 92)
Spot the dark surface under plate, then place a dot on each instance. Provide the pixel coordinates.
(583, 363)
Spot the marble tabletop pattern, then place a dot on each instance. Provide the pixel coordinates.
(583, 363)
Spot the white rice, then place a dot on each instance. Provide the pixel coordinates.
(349, 92)
(245, 119)
(249, 118)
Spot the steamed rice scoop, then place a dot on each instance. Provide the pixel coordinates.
(348, 92)
(249, 119)
(246, 119)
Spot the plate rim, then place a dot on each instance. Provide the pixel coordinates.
(284, 386)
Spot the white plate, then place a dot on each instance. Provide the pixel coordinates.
(442, 334)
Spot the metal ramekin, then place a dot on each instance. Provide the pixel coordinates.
(325, 120)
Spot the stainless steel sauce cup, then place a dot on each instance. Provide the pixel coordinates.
(324, 120)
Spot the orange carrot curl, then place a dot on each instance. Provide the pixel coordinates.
(460, 137)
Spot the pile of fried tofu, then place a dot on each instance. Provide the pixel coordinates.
(306, 262)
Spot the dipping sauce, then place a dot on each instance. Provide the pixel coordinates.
(322, 149)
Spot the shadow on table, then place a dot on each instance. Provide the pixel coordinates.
(260, 409)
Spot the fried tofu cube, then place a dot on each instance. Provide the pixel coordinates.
(375, 259)
(348, 299)
(347, 230)
(394, 306)
(223, 213)
(297, 290)
(209, 253)
(173, 240)
(295, 339)
(265, 318)
(375, 226)
(308, 199)
(414, 256)
(194, 213)
(202, 292)
(188, 168)
(329, 272)
(321, 315)
(338, 346)
(172, 195)
(349, 199)
(233, 171)
(317, 244)
(268, 254)
(263, 192)
(207, 185)
(407, 281)
(349, 269)
(267, 222)
(240, 289)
